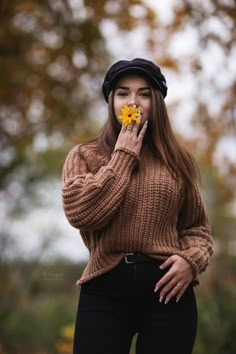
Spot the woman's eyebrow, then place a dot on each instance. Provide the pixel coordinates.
(122, 88)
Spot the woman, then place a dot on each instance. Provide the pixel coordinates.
(133, 194)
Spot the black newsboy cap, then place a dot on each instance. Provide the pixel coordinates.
(138, 65)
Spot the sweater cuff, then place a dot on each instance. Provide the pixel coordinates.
(123, 160)
(127, 151)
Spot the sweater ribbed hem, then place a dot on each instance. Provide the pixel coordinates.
(99, 272)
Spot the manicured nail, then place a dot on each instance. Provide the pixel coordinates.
(156, 289)
(161, 298)
(167, 300)
(177, 300)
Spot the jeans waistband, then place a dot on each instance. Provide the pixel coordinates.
(137, 257)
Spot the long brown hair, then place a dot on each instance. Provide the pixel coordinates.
(160, 139)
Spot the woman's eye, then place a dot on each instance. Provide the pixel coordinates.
(122, 93)
(145, 93)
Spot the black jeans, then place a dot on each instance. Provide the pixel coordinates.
(117, 305)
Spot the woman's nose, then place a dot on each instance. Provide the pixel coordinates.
(132, 100)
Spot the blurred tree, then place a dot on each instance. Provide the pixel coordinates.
(211, 25)
(207, 30)
(52, 57)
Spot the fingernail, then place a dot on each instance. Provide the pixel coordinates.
(166, 301)
(156, 289)
(177, 300)
(161, 298)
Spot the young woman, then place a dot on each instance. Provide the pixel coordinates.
(133, 194)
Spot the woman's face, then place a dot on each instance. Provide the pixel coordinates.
(133, 89)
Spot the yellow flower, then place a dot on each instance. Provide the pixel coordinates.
(129, 113)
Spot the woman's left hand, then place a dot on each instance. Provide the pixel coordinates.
(176, 280)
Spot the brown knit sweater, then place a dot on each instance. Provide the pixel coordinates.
(131, 204)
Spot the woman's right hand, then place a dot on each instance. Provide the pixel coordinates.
(130, 137)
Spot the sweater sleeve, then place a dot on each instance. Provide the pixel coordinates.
(91, 200)
(196, 243)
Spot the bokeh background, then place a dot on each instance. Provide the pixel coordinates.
(53, 56)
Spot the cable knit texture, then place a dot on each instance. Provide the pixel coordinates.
(127, 204)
